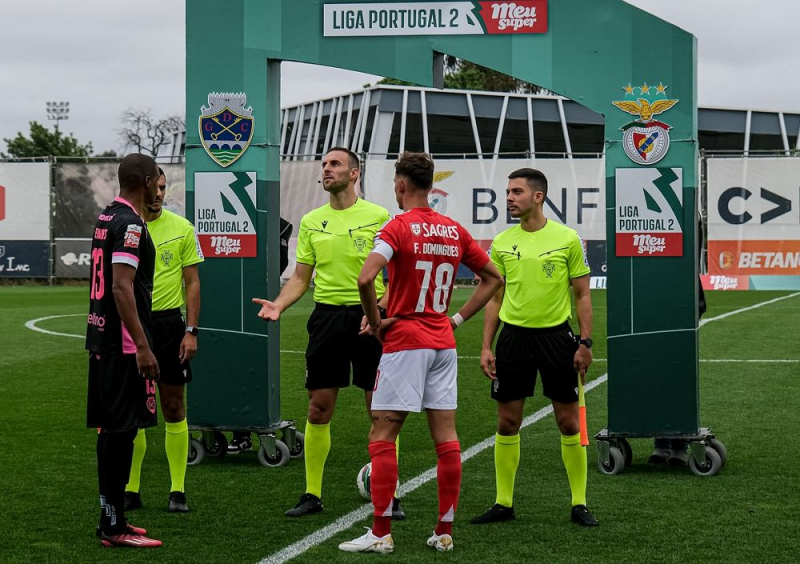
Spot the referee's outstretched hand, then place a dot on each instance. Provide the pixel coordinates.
(269, 310)
(487, 364)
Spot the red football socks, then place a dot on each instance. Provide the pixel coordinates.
(448, 476)
(383, 483)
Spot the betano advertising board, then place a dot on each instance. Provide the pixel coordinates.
(753, 224)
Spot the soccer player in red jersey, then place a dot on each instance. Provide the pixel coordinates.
(418, 369)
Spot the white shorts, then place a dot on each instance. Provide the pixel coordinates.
(417, 379)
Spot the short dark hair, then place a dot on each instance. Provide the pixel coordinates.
(161, 173)
(134, 168)
(417, 168)
(353, 161)
(535, 178)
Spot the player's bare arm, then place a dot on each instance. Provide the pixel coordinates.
(490, 282)
(583, 307)
(491, 322)
(366, 288)
(191, 279)
(292, 291)
(383, 303)
(122, 288)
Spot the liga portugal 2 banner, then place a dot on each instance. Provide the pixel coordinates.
(648, 211)
(225, 214)
(434, 18)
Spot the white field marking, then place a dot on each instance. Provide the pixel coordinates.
(346, 521)
(756, 306)
(32, 325)
(760, 360)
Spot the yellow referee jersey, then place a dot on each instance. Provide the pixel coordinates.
(176, 248)
(538, 267)
(336, 243)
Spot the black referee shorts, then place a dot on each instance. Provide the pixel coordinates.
(168, 332)
(334, 345)
(522, 352)
(119, 399)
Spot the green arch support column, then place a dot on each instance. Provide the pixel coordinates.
(590, 52)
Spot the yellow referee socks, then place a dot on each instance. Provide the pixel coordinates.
(397, 453)
(574, 457)
(176, 443)
(317, 446)
(506, 462)
(139, 448)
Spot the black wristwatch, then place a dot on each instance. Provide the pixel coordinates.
(382, 312)
(193, 330)
(586, 342)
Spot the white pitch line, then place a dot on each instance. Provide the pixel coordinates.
(346, 521)
(756, 306)
(32, 325)
(734, 360)
(755, 361)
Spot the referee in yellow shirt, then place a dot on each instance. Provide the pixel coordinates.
(541, 260)
(334, 240)
(174, 341)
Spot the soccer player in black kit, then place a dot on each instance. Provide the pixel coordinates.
(122, 367)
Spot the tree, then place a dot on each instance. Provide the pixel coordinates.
(143, 132)
(465, 75)
(43, 142)
(460, 74)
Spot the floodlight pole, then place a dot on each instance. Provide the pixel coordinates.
(57, 111)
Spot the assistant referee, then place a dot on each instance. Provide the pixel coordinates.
(541, 260)
(174, 341)
(334, 240)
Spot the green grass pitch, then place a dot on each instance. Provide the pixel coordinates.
(48, 493)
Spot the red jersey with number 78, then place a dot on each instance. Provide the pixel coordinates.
(428, 248)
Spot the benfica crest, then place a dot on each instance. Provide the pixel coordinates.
(416, 229)
(646, 140)
(437, 198)
(226, 126)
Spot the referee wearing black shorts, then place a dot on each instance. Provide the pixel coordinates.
(333, 241)
(541, 260)
(176, 283)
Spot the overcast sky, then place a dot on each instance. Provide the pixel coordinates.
(104, 58)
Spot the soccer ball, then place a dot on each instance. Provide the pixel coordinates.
(364, 481)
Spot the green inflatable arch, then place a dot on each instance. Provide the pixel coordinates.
(596, 53)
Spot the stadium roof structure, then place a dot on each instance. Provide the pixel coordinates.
(386, 120)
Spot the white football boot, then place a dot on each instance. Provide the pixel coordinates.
(369, 543)
(442, 543)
